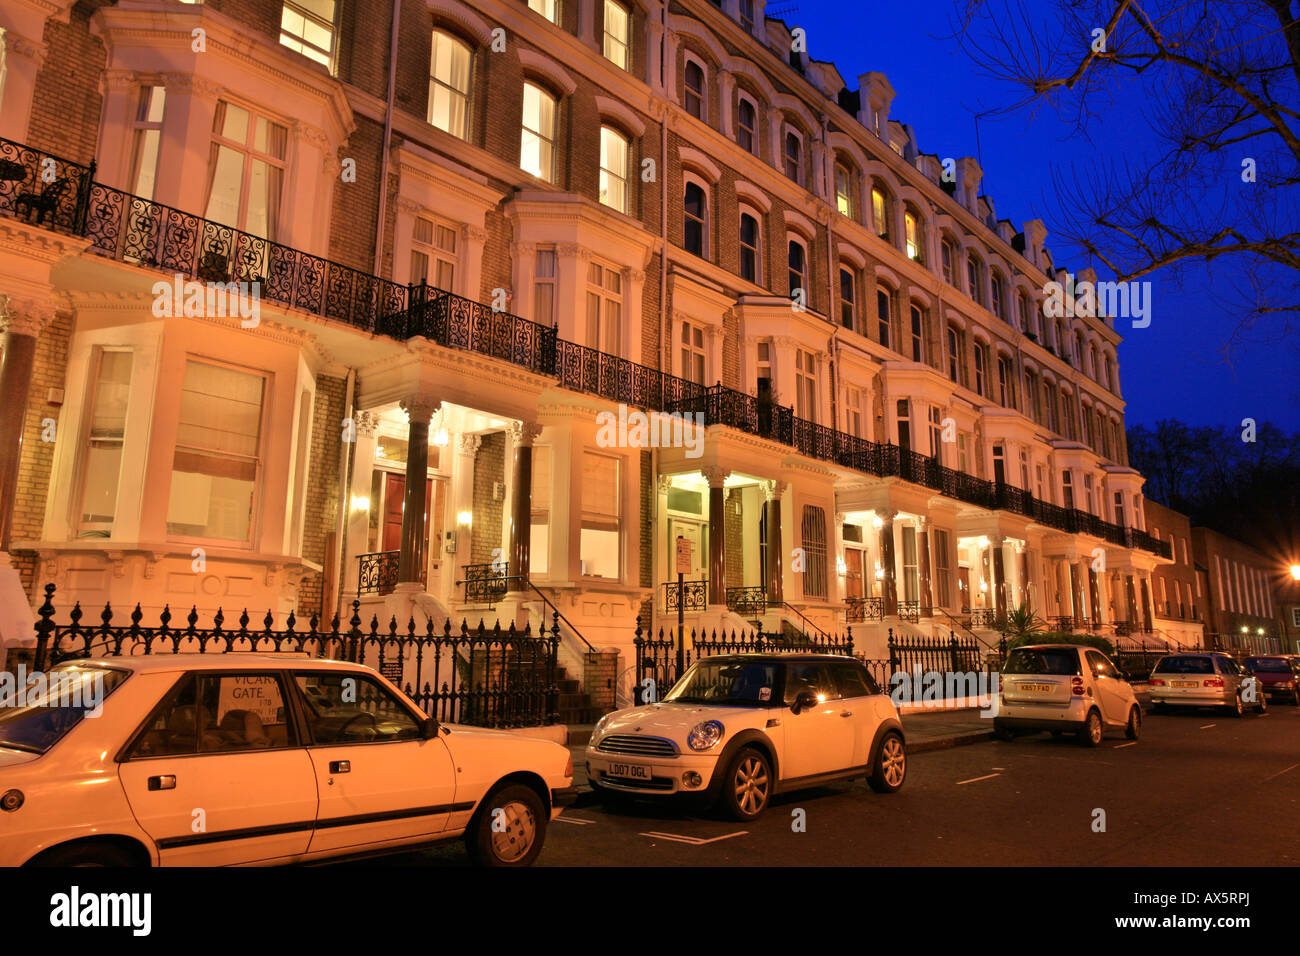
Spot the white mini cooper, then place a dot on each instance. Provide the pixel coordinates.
(215, 759)
(738, 729)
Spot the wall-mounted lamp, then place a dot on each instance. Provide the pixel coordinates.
(878, 522)
(840, 567)
(465, 519)
(440, 438)
(360, 503)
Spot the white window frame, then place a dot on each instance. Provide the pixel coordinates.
(796, 238)
(465, 95)
(752, 148)
(703, 95)
(609, 335)
(146, 139)
(622, 46)
(545, 143)
(607, 173)
(757, 249)
(94, 528)
(299, 43)
(433, 252)
(693, 352)
(556, 14)
(788, 131)
(689, 179)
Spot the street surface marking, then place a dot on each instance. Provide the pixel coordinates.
(987, 776)
(578, 820)
(1280, 772)
(1206, 727)
(1131, 743)
(693, 841)
(997, 768)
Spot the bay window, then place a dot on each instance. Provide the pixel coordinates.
(246, 171)
(102, 458)
(805, 385)
(604, 309)
(694, 359)
(433, 254)
(600, 542)
(147, 140)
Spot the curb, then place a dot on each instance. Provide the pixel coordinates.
(946, 743)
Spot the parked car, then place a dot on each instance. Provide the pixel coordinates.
(738, 729)
(1064, 688)
(1278, 675)
(215, 759)
(1204, 680)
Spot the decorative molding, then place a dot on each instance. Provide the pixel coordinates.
(613, 109)
(25, 316)
(420, 408)
(461, 14)
(548, 69)
(468, 445)
(716, 475)
(367, 423)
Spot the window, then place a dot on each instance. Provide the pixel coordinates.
(618, 32)
(307, 26)
(814, 547)
(246, 170)
(918, 334)
(695, 211)
(747, 15)
(544, 288)
(904, 409)
(1022, 308)
(749, 246)
(912, 235)
(956, 346)
(880, 212)
(853, 411)
(942, 569)
(797, 261)
(1105, 373)
(884, 314)
(1067, 490)
(746, 124)
(999, 295)
(949, 256)
(1120, 518)
(56, 704)
(975, 279)
(1024, 469)
(1087, 494)
(1032, 400)
(999, 464)
(449, 72)
(221, 713)
(805, 384)
(963, 444)
(547, 8)
(102, 461)
(540, 502)
(693, 94)
(793, 156)
(1006, 383)
(433, 254)
(218, 453)
(604, 309)
(843, 191)
(1067, 417)
(936, 431)
(613, 169)
(1049, 405)
(537, 143)
(351, 707)
(1093, 368)
(848, 300)
(600, 541)
(148, 138)
(981, 353)
(693, 357)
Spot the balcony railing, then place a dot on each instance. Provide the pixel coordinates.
(377, 572)
(38, 187)
(692, 596)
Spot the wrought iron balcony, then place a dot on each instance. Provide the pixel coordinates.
(858, 610)
(747, 602)
(377, 572)
(692, 596)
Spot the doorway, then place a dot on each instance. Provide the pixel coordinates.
(435, 500)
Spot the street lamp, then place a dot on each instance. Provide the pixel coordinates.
(1295, 572)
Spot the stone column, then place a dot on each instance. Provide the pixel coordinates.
(923, 566)
(1131, 593)
(1094, 598)
(997, 544)
(717, 478)
(23, 59)
(1024, 577)
(411, 560)
(773, 574)
(358, 524)
(1147, 623)
(889, 585)
(521, 500)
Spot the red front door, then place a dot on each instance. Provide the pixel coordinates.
(394, 491)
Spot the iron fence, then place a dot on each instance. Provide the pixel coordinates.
(42, 188)
(377, 572)
(490, 677)
(747, 601)
(486, 583)
(692, 596)
(861, 609)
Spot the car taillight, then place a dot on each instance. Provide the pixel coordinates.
(1076, 687)
(1156, 682)
(1214, 682)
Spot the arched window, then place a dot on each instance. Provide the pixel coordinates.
(693, 94)
(848, 298)
(794, 156)
(797, 257)
(695, 219)
(537, 142)
(694, 358)
(746, 124)
(844, 191)
(975, 279)
(450, 67)
(750, 246)
(948, 257)
(613, 169)
(881, 211)
(998, 288)
(918, 333)
(914, 242)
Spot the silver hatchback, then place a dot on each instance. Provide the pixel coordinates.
(1205, 680)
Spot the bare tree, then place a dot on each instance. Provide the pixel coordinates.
(1220, 84)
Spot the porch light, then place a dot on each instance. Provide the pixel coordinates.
(880, 573)
(984, 542)
(878, 522)
(984, 585)
(1295, 572)
(440, 438)
(360, 503)
(840, 567)
(465, 519)
(1259, 630)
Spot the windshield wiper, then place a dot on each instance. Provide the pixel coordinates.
(26, 748)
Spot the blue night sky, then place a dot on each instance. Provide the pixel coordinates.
(1175, 368)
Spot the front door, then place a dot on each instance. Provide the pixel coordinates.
(697, 535)
(394, 497)
(852, 573)
(963, 588)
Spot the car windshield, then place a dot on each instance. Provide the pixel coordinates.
(1272, 665)
(732, 683)
(1185, 665)
(1038, 660)
(35, 716)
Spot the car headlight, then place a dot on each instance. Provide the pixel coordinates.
(705, 736)
(597, 730)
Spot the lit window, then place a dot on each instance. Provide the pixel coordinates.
(618, 30)
(307, 26)
(613, 168)
(217, 458)
(805, 379)
(880, 212)
(547, 8)
(102, 464)
(433, 254)
(848, 300)
(912, 235)
(604, 309)
(246, 171)
(797, 262)
(449, 73)
(949, 255)
(544, 287)
(600, 544)
(749, 248)
(693, 356)
(695, 210)
(148, 137)
(843, 191)
(794, 157)
(537, 146)
(693, 98)
(746, 124)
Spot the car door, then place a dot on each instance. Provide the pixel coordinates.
(218, 775)
(379, 780)
(1110, 690)
(819, 739)
(1232, 676)
(858, 697)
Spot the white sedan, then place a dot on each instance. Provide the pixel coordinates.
(738, 729)
(220, 759)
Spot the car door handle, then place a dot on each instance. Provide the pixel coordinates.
(846, 713)
(340, 766)
(165, 781)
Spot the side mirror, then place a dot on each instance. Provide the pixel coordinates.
(429, 729)
(804, 700)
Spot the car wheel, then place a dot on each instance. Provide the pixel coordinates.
(87, 854)
(509, 828)
(1134, 726)
(747, 785)
(1236, 708)
(1261, 705)
(889, 769)
(1090, 734)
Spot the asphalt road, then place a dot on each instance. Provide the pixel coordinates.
(1198, 789)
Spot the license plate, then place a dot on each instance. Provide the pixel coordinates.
(1183, 683)
(1037, 688)
(629, 771)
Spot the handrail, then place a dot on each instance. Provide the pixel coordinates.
(802, 616)
(952, 620)
(547, 601)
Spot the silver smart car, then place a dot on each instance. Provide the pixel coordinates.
(1064, 688)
